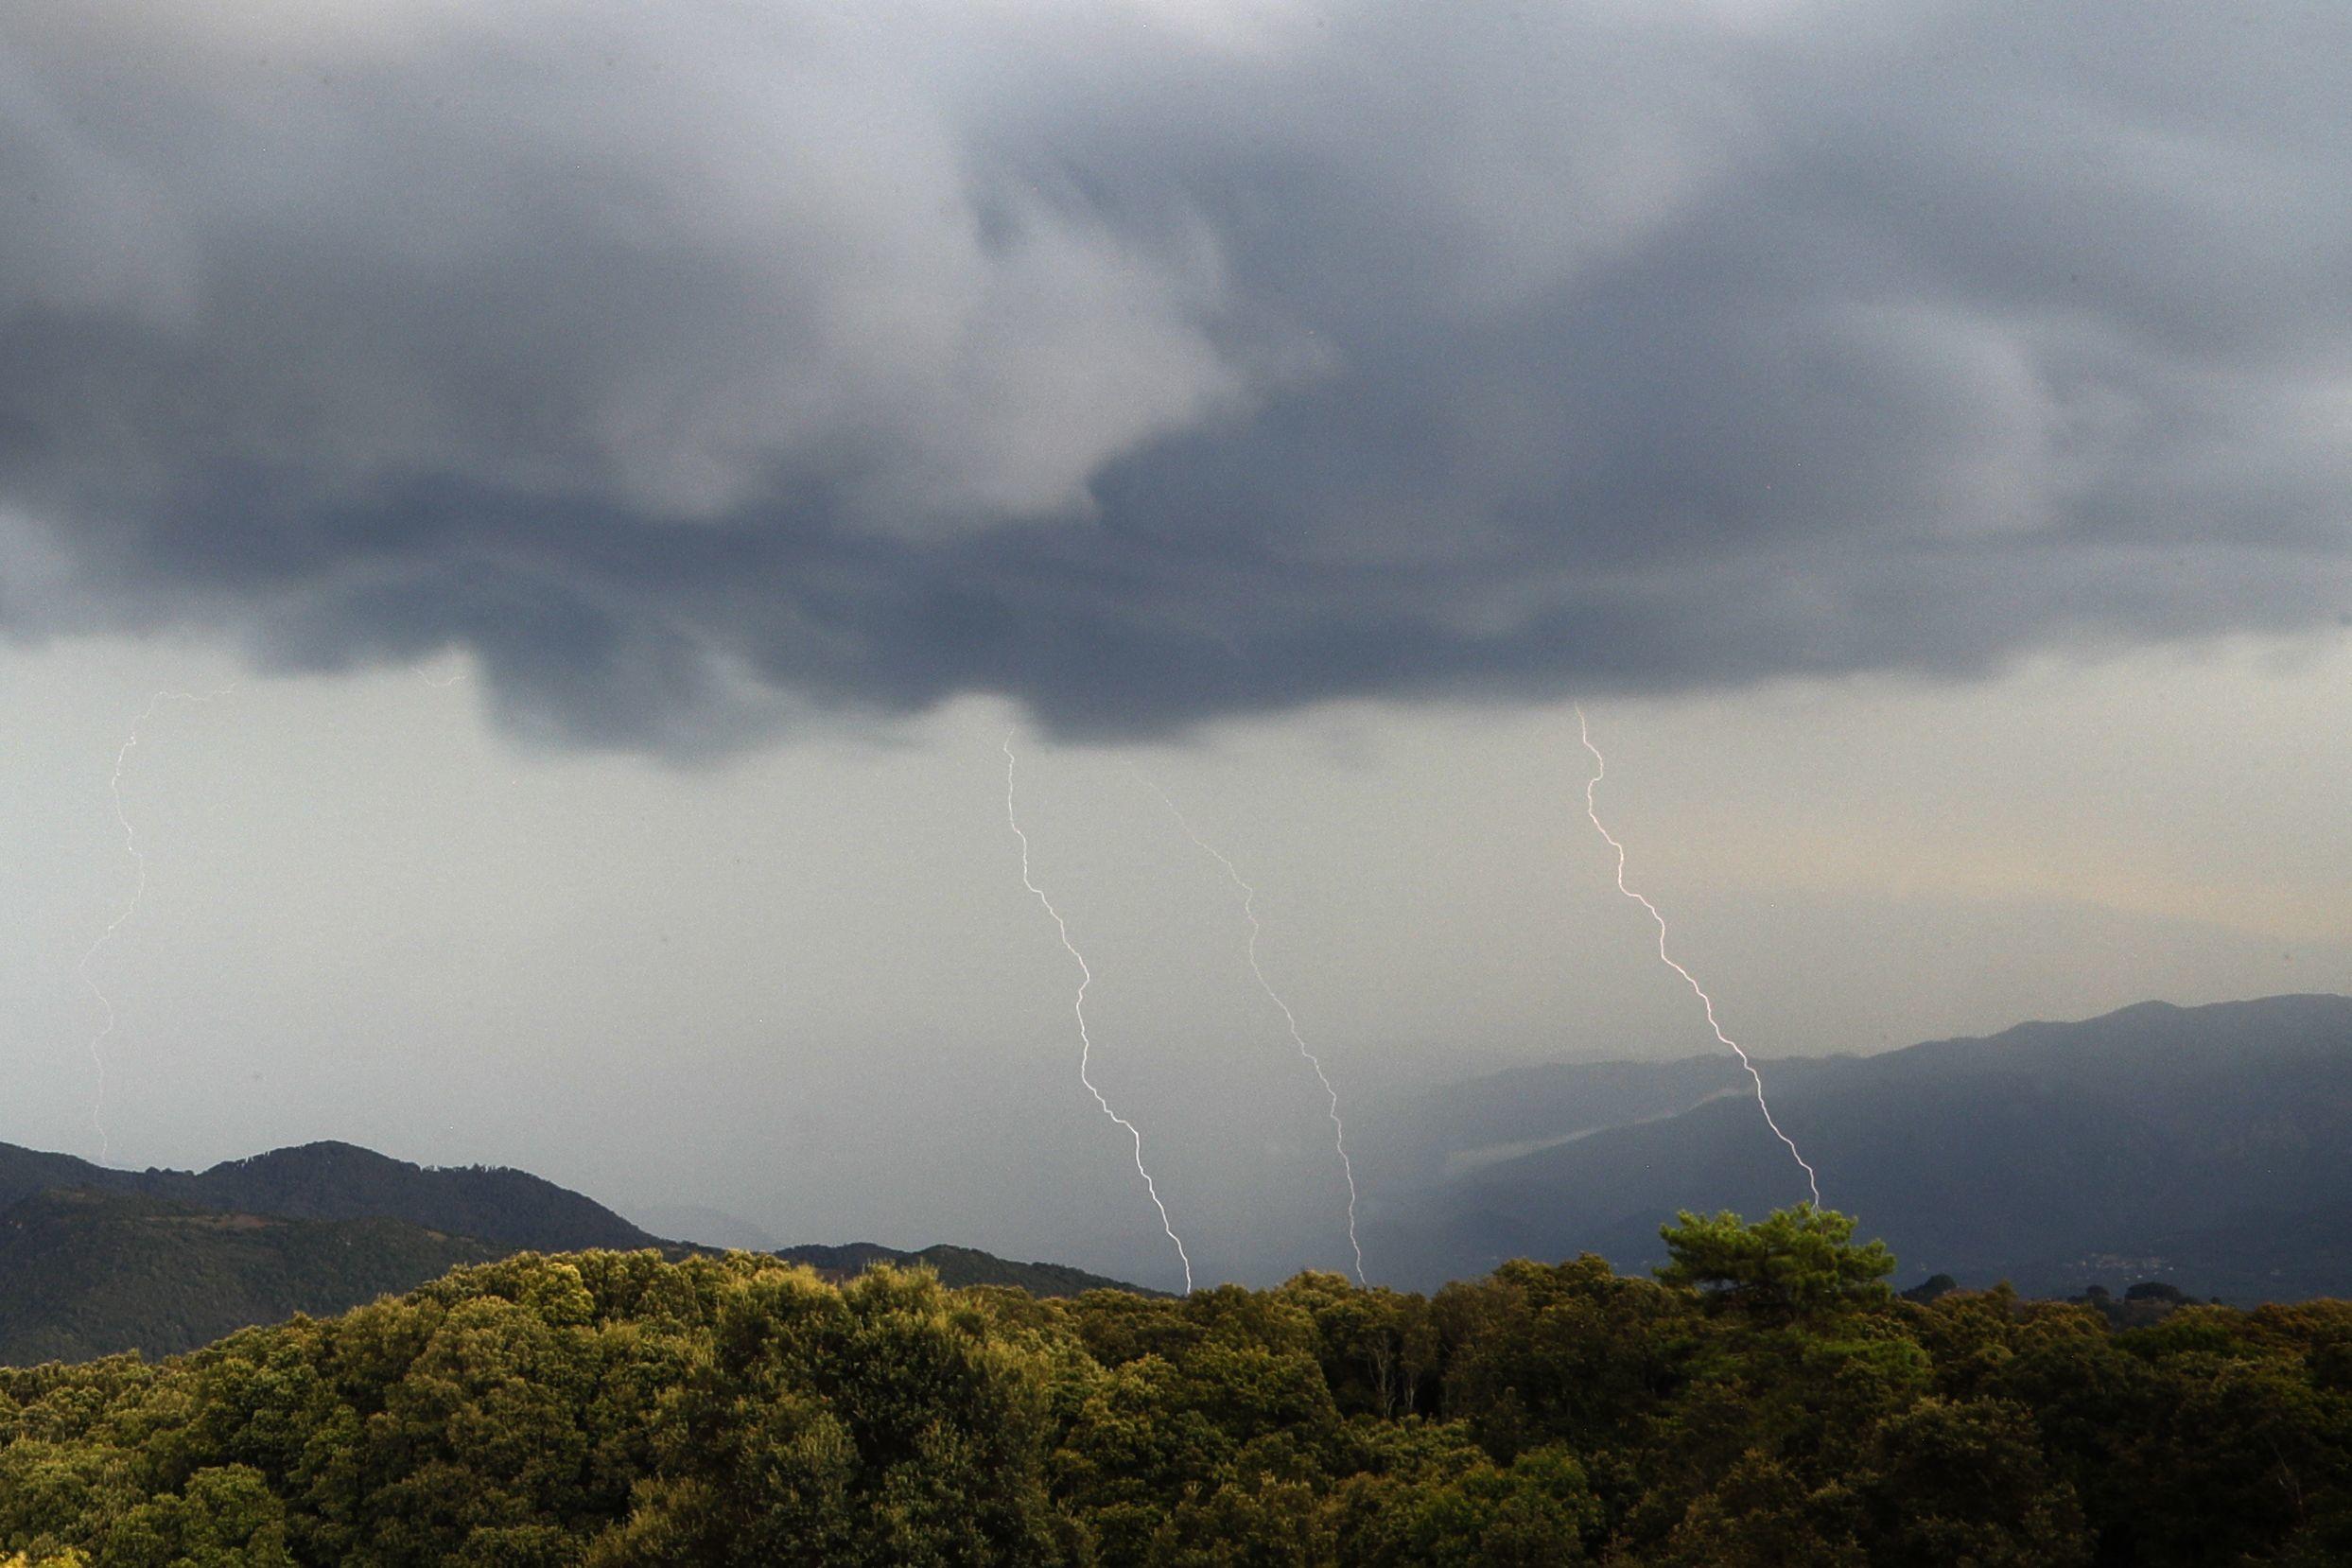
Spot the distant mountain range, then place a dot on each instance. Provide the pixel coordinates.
(2206, 1146)
(95, 1261)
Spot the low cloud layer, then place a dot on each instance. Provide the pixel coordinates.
(1151, 362)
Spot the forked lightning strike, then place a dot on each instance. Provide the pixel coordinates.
(138, 890)
(1086, 1041)
(1249, 912)
(1599, 769)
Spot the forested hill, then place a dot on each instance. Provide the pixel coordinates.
(2207, 1146)
(86, 1274)
(956, 1267)
(343, 1182)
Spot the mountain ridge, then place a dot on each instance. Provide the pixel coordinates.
(334, 1181)
(1976, 1156)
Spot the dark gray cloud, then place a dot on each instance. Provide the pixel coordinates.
(1153, 363)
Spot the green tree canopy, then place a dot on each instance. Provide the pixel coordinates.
(1765, 1401)
(1793, 1264)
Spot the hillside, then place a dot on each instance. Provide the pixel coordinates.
(85, 1274)
(2188, 1143)
(957, 1268)
(95, 1261)
(342, 1181)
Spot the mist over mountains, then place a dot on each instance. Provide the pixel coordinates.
(2201, 1144)
(2203, 1147)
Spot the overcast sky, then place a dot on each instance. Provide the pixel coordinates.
(635, 466)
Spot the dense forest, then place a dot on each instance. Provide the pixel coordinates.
(1765, 1399)
(85, 1274)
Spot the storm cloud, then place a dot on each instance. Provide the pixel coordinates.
(697, 365)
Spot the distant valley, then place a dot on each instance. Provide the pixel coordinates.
(2206, 1146)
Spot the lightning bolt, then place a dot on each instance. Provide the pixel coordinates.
(138, 891)
(1086, 1041)
(1249, 912)
(1600, 768)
